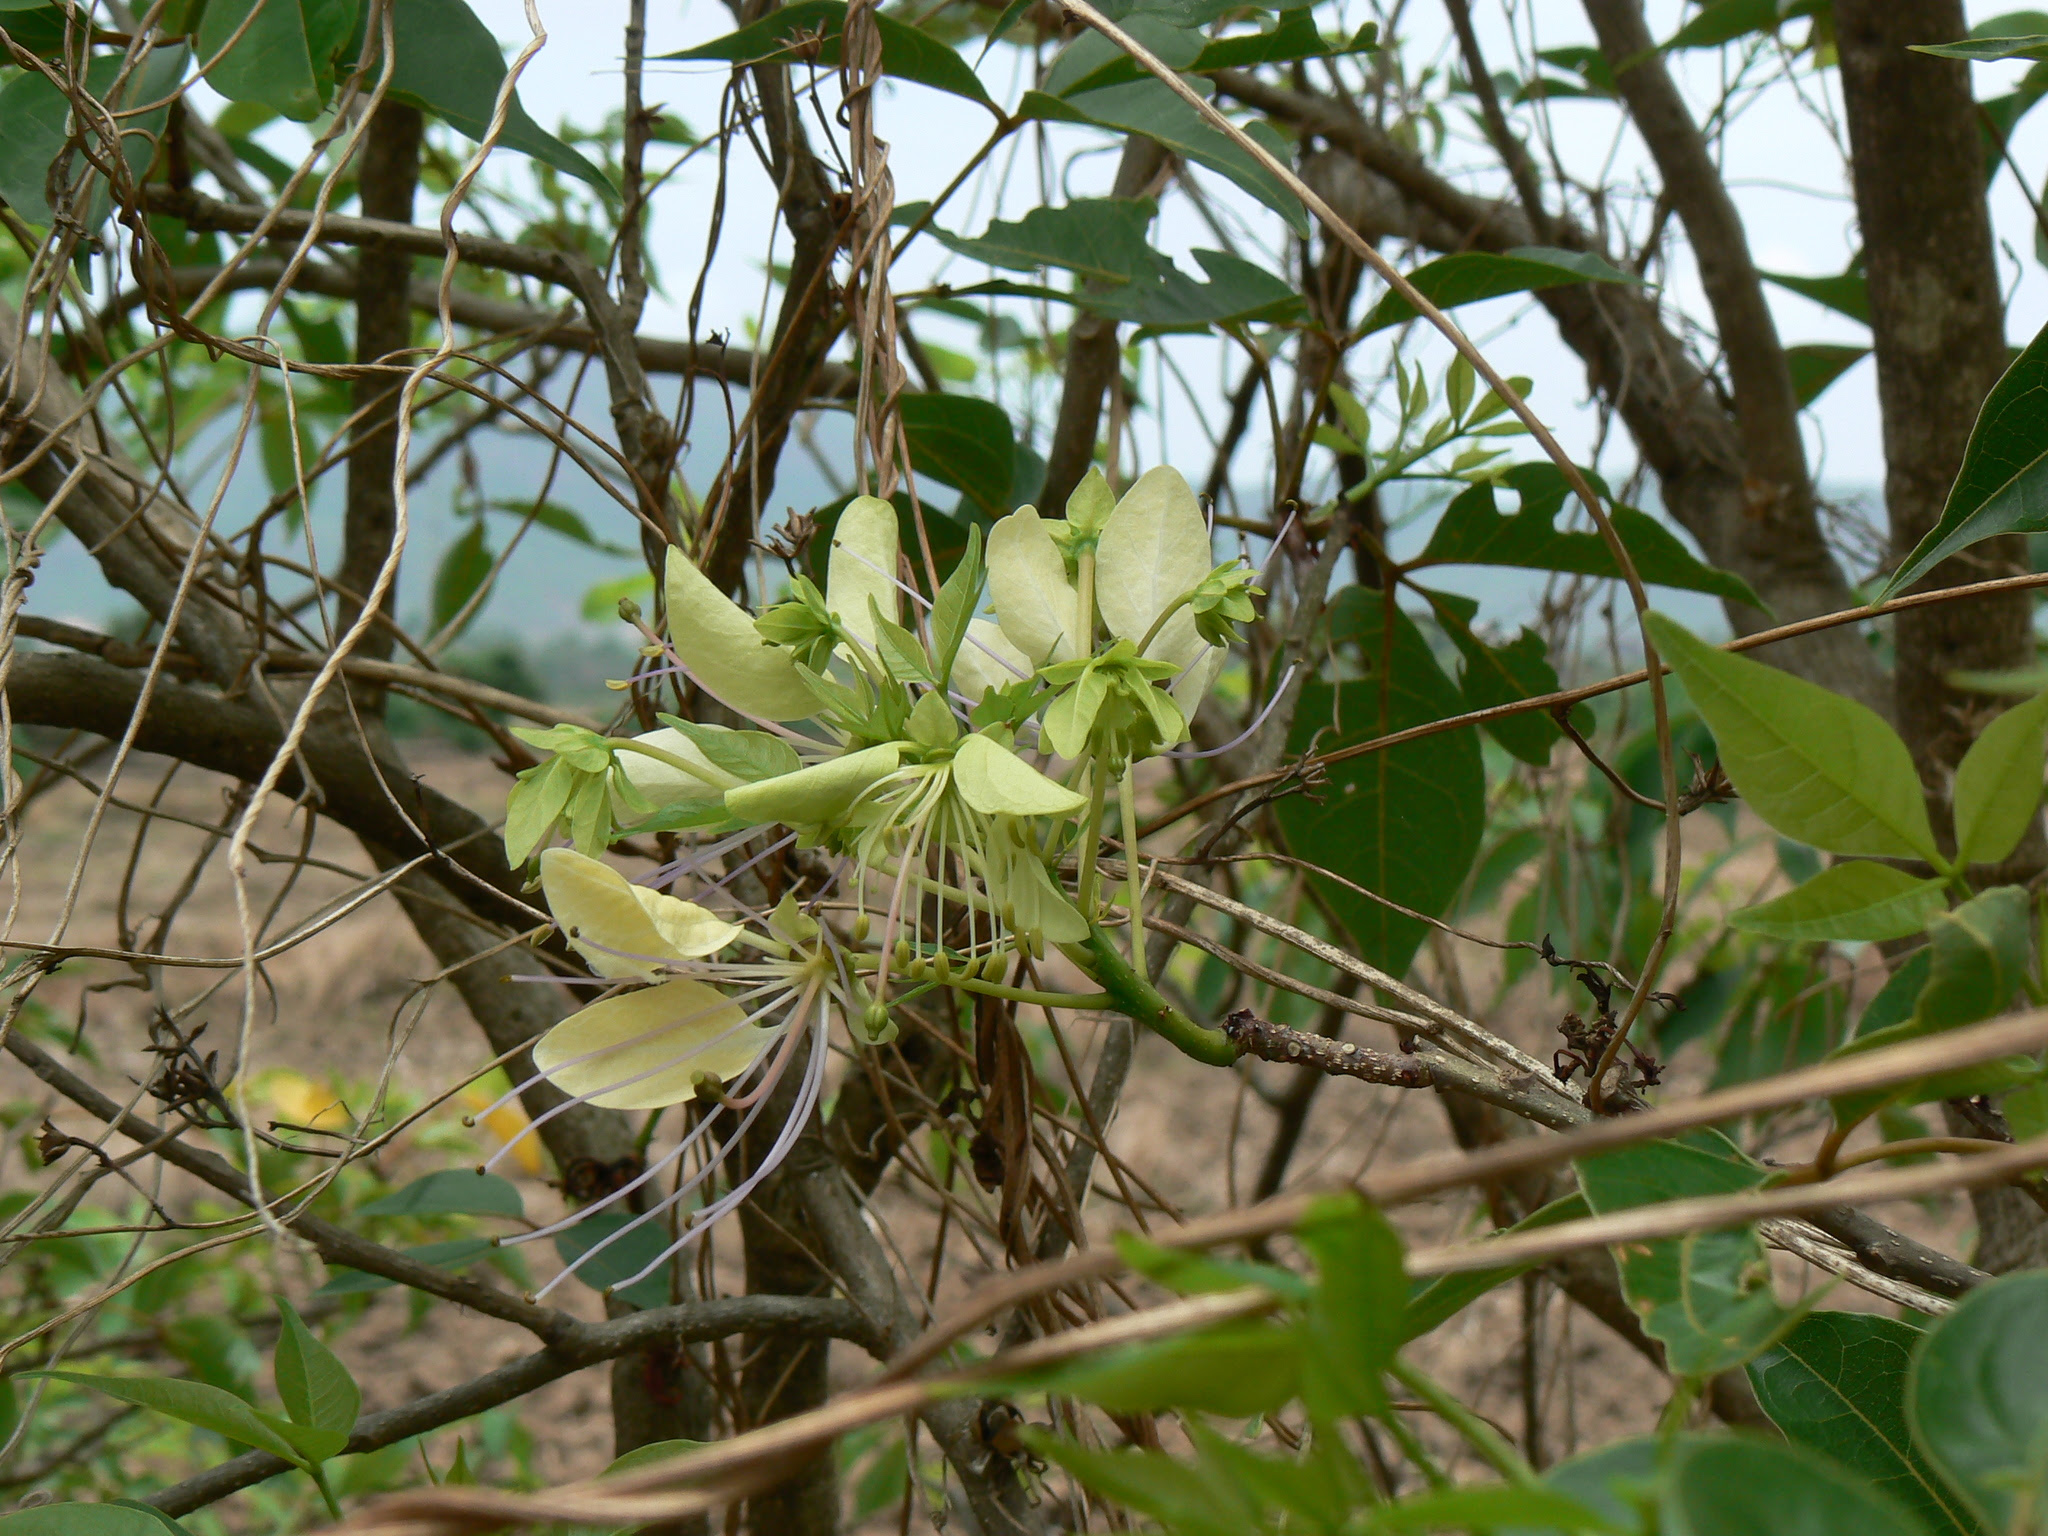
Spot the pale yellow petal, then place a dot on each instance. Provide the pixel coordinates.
(1000, 783)
(689, 930)
(719, 644)
(1154, 549)
(987, 660)
(646, 1049)
(620, 928)
(1027, 583)
(661, 784)
(862, 565)
(815, 795)
(1192, 689)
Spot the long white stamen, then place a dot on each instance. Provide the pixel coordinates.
(534, 1125)
(799, 1117)
(1189, 754)
(695, 857)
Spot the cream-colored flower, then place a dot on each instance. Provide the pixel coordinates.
(1151, 551)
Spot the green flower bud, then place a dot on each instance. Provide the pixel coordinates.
(876, 1026)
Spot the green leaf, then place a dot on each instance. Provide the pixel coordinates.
(1469, 276)
(1294, 36)
(1846, 293)
(1614, 1479)
(1814, 765)
(1980, 956)
(195, 1403)
(1723, 21)
(1837, 1384)
(749, 755)
(217, 1351)
(1404, 823)
(1099, 237)
(451, 1192)
(812, 31)
(112, 1519)
(556, 518)
(1092, 61)
(1189, 1500)
(1191, 1272)
(464, 565)
(1977, 1398)
(1595, 77)
(1738, 1486)
(1855, 900)
(1913, 1004)
(1232, 1369)
(612, 1264)
(1816, 365)
(1998, 783)
(1490, 1507)
(1323, 1486)
(1443, 1298)
(1472, 531)
(35, 122)
(1237, 293)
(601, 602)
(966, 443)
(1355, 1320)
(903, 654)
(2002, 486)
(454, 1255)
(1980, 50)
(1502, 674)
(315, 1387)
(284, 56)
(448, 63)
(647, 1455)
(2026, 1111)
(953, 610)
(1149, 107)
(1707, 1296)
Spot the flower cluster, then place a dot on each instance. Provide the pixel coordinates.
(943, 768)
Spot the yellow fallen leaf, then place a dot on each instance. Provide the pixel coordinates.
(505, 1124)
(299, 1100)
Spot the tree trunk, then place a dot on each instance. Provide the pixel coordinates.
(390, 174)
(784, 1376)
(1939, 326)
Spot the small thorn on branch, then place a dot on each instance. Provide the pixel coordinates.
(1254, 1036)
